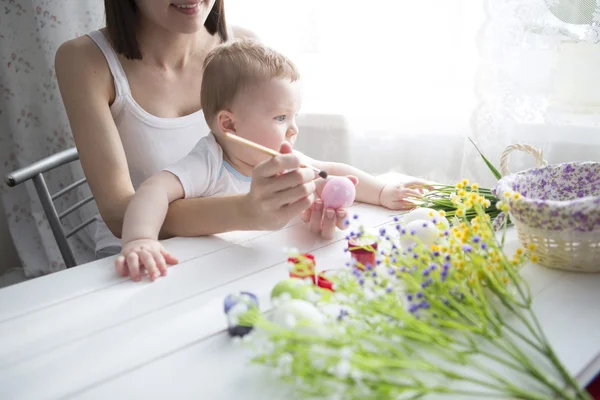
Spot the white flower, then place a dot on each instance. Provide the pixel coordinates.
(346, 353)
(343, 369)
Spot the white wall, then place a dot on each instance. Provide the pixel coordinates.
(8, 254)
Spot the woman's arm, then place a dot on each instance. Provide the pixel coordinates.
(87, 89)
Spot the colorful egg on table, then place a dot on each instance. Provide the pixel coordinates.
(302, 266)
(292, 288)
(339, 192)
(427, 214)
(419, 231)
(235, 305)
(299, 315)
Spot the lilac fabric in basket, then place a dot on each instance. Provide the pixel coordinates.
(557, 197)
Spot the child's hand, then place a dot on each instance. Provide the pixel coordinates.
(144, 253)
(397, 196)
(323, 221)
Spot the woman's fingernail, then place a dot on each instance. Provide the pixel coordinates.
(341, 213)
(318, 205)
(329, 213)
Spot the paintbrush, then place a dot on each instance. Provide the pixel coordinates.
(266, 150)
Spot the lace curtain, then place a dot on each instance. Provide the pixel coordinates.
(33, 123)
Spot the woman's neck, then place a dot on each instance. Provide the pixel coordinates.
(169, 50)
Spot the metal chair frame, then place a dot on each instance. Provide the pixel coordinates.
(34, 172)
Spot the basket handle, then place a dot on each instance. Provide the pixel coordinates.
(537, 154)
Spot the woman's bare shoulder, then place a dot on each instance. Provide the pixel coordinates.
(79, 61)
(82, 57)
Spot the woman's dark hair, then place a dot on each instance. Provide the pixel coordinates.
(122, 19)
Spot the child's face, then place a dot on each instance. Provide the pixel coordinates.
(266, 114)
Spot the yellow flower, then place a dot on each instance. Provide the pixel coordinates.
(460, 212)
(462, 193)
(514, 262)
(486, 203)
(535, 259)
(517, 196)
(531, 247)
(435, 247)
(444, 249)
(459, 185)
(505, 280)
(469, 204)
(474, 186)
(442, 213)
(463, 226)
(507, 194)
(519, 251)
(465, 182)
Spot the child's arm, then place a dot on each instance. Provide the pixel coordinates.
(371, 190)
(143, 220)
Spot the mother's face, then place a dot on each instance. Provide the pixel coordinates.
(178, 16)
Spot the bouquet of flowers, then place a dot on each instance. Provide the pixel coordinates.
(450, 318)
(444, 198)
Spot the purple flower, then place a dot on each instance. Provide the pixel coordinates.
(426, 272)
(476, 239)
(355, 216)
(445, 266)
(409, 297)
(396, 219)
(403, 231)
(446, 233)
(432, 267)
(343, 313)
(484, 246)
(412, 232)
(378, 262)
(467, 248)
(382, 231)
(398, 227)
(389, 289)
(420, 295)
(413, 308)
(361, 281)
(391, 271)
(424, 304)
(447, 258)
(425, 224)
(374, 274)
(346, 250)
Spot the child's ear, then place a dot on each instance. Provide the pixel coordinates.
(226, 121)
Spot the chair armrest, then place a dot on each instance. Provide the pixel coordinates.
(56, 160)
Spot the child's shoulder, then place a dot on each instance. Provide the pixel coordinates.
(208, 148)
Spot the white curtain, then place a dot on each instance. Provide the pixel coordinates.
(389, 85)
(33, 123)
(400, 85)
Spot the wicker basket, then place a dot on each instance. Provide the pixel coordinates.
(558, 212)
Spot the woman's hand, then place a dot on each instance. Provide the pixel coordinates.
(398, 196)
(322, 221)
(144, 254)
(277, 196)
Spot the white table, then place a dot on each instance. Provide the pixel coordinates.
(87, 334)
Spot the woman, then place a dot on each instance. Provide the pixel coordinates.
(133, 88)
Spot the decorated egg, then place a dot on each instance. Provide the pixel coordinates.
(427, 214)
(235, 305)
(299, 315)
(419, 231)
(292, 288)
(339, 192)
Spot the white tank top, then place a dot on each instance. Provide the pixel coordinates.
(151, 143)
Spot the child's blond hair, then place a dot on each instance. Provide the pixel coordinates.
(231, 68)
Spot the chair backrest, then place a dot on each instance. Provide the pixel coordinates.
(34, 172)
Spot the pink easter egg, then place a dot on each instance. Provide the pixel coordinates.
(338, 192)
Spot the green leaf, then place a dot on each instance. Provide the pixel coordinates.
(497, 174)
